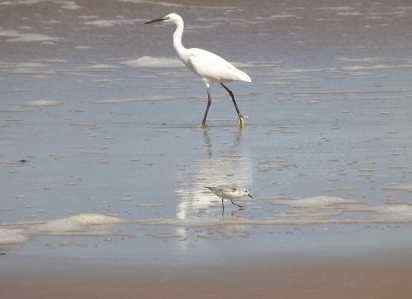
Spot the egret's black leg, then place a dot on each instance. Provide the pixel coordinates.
(209, 101)
(223, 208)
(233, 99)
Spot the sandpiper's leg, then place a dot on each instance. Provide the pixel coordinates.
(237, 204)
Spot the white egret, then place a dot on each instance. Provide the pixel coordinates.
(230, 192)
(208, 66)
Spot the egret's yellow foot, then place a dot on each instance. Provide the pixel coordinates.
(241, 121)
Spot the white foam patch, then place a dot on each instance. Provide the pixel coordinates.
(42, 103)
(52, 60)
(95, 219)
(27, 68)
(171, 4)
(100, 67)
(304, 211)
(28, 37)
(137, 99)
(57, 226)
(399, 187)
(319, 201)
(17, 2)
(398, 211)
(95, 69)
(160, 3)
(9, 33)
(111, 23)
(148, 61)
(69, 5)
(12, 236)
(34, 65)
(284, 16)
(337, 8)
(76, 223)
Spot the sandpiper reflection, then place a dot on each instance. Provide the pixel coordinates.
(224, 164)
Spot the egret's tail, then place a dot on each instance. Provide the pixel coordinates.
(244, 77)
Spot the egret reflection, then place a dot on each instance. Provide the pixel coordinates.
(233, 165)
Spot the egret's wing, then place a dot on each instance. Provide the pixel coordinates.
(213, 67)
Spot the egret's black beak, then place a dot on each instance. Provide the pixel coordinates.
(250, 196)
(156, 20)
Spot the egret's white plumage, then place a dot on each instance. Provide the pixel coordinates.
(210, 67)
(230, 192)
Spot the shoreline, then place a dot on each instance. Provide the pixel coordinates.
(114, 204)
(379, 275)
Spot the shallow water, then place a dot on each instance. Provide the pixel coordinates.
(92, 125)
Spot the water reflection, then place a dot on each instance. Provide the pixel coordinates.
(228, 163)
(223, 164)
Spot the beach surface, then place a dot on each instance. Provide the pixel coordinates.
(103, 170)
(375, 276)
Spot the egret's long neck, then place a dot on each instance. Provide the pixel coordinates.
(177, 38)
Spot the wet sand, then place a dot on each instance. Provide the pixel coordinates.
(375, 276)
(97, 118)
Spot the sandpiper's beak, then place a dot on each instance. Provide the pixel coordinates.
(250, 196)
(156, 20)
